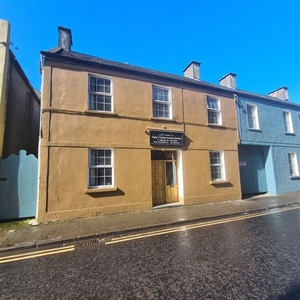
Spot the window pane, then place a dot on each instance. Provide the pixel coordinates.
(99, 102)
(161, 102)
(215, 158)
(251, 122)
(213, 117)
(92, 84)
(213, 110)
(99, 97)
(100, 157)
(161, 110)
(95, 178)
(251, 112)
(216, 172)
(293, 164)
(212, 103)
(100, 171)
(160, 94)
(100, 176)
(93, 157)
(171, 173)
(216, 165)
(287, 122)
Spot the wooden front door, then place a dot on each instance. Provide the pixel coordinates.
(158, 182)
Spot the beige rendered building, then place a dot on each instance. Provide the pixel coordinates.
(118, 138)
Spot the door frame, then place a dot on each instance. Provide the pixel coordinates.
(170, 191)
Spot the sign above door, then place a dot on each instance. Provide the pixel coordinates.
(166, 138)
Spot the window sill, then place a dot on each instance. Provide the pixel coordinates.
(295, 177)
(100, 190)
(216, 182)
(215, 125)
(255, 129)
(99, 112)
(289, 133)
(162, 119)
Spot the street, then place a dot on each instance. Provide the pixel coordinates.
(247, 258)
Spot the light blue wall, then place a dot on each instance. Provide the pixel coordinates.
(271, 133)
(284, 183)
(270, 122)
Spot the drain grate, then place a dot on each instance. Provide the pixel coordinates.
(92, 242)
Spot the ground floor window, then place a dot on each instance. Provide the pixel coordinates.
(293, 164)
(217, 165)
(100, 168)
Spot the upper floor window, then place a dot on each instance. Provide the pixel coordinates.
(161, 102)
(287, 119)
(100, 168)
(217, 168)
(252, 116)
(293, 164)
(100, 93)
(214, 111)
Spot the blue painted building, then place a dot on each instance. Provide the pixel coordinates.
(269, 150)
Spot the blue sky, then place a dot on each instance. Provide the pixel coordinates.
(258, 39)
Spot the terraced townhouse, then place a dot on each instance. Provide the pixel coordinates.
(119, 138)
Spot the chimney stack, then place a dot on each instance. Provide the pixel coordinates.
(228, 80)
(64, 38)
(281, 93)
(192, 70)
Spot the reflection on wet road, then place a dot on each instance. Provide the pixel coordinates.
(253, 258)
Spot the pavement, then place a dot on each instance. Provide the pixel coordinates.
(28, 234)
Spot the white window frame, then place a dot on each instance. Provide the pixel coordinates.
(103, 93)
(254, 117)
(217, 111)
(220, 165)
(161, 102)
(293, 164)
(101, 166)
(287, 121)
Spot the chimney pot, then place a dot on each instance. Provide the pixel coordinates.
(192, 70)
(64, 38)
(228, 80)
(281, 93)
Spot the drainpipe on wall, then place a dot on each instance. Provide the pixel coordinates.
(182, 108)
(236, 100)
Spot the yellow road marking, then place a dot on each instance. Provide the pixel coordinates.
(194, 226)
(34, 254)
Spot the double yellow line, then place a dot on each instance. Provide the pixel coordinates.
(194, 226)
(34, 254)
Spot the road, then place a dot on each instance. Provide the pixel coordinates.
(256, 257)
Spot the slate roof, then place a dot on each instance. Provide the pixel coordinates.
(23, 75)
(80, 58)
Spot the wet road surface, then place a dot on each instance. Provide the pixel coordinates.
(255, 258)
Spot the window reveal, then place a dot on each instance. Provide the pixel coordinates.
(217, 165)
(213, 111)
(100, 94)
(161, 102)
(100, 168)
(287, 119)
(252, 117)
(293, 164)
